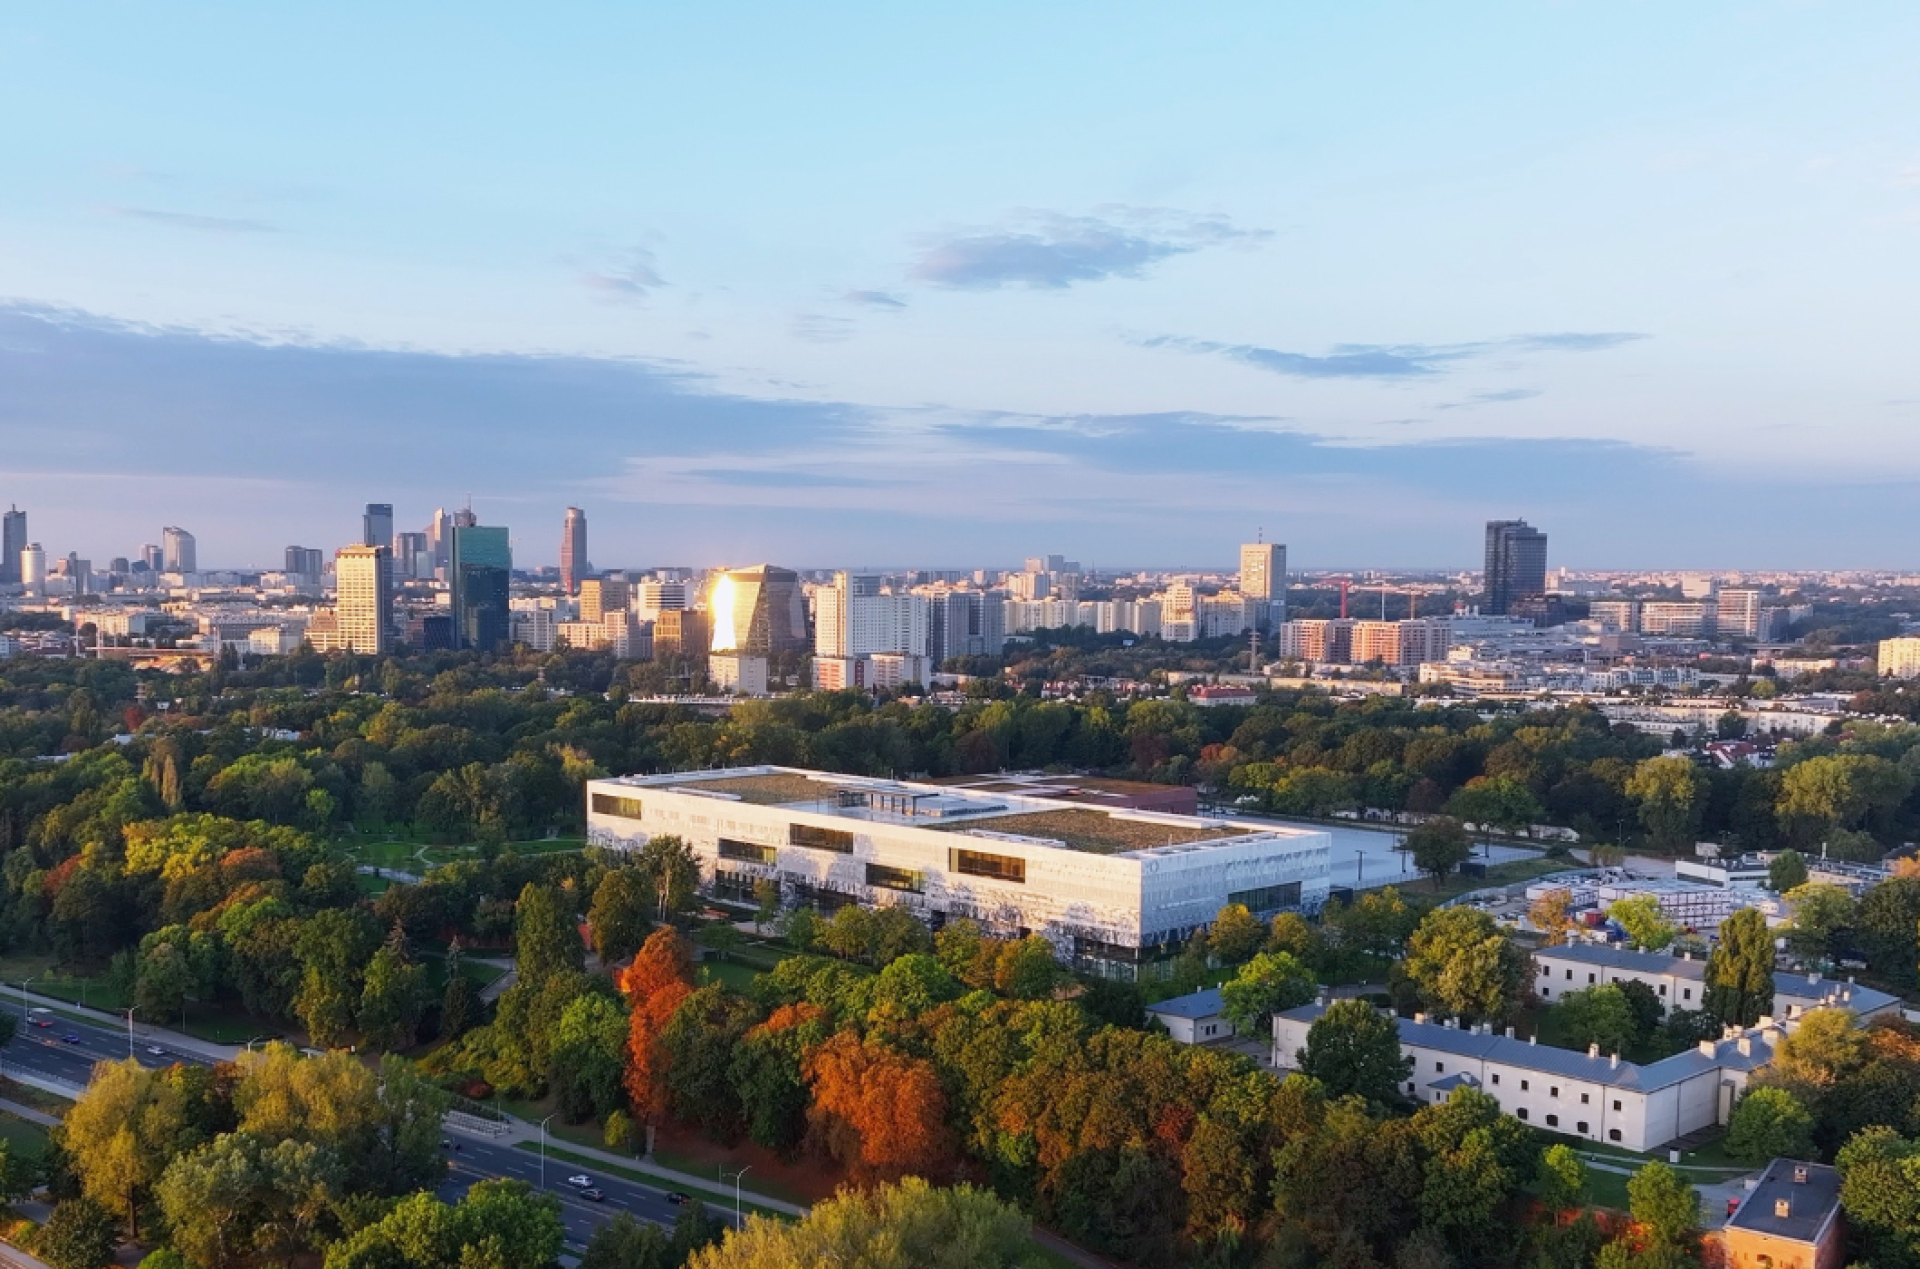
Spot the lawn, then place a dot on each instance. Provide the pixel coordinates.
(22, 1138)
(731, 973)
(401, 854)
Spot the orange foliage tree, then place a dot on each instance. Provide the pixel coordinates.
(881, 1114)
(659, 978)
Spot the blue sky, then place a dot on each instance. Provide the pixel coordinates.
(900, 284)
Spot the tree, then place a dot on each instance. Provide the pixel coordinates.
(1268, 984)
(1665, 1208)
(1563, 1179)
(618, 916)
(1552, 915)
(1439, 846)
(1461, 964)
(587, 1057)
(766, 901)
(1740, 970)
(1786, 871)
(1888, 927)
(333, 947)
(1831, 792)
(238, 1195)
(545, 938)
(393, 998)
(78, 1235)
(1354, 1050)
(660, 977)
(1880, 1193)
(1599, 1015)
(1769, 1123)
(460, 1000)
(1820, 912)
(1672, 795)
(121, 1134)
(1645, 922)
(497, 1225)
(1236, 934)
(911, 1225)
(625, 1243)
(673, 873)
(1498, 801)
(880, 1113)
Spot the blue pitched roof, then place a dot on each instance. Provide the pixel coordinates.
(1198, 1004)
(1606, 957)
(1862, 1000)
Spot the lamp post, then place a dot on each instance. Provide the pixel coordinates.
(23, 997)
(543, 1150)
(130, 1013)
(739, 1222)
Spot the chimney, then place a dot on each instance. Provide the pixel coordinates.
(1766, 1021)
(1814, 977)
(1420, 1018)
(1509, 1033)
(1707, 1048)
(1851, 979)
(1782, 1208)
(1593, 1050)
(1799, 1174)
(1686, 955)
(1615, 1064)
(1745, 1044)
(1533, 1039)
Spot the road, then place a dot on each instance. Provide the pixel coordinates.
(478, 1160)
(44, 1051)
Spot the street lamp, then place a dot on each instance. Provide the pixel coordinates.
(543, 1150)
(739, 1222)
(23, 997)
(130, 1013)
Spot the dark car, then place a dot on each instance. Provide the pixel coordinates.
(70, 1038)
(677, 1196)
(592, 1195)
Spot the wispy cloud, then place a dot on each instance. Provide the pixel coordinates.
(1389, 361)
(874, 299)
(1049, 251)
(633, 277)
(187, 220)
(1491, 398)
(819, 328)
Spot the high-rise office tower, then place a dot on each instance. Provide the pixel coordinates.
(465, 519)
(440, 536)
(13, 540)
(363, 585)
(757, 611)
(479, 564)
(602, 595)
(376, 525)
(152, 556)
(305, 562)
(33, 565)
(1263, 579)
(412, 557)
(573, 550)
(1739, 611)
(1516, 565)
(177, 551)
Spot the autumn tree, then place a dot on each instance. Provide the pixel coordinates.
(1552, 914)
(660, 977)
(1235, 934)
(879, 1113)
(911, 1225)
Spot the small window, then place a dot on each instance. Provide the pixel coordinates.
(1584, 1099)
(975, 863)
(1616, 1103)
(1411, 1086)
(1663, 989)
(1590, 978)
(1525, 1085)
(1553, 1121)
(1496, 1077)
(1687, 993)
(1553, 1091)
(888, 877)
(1582, 1127)
(1522, 1112)
(1439, 1066)
(747, 852)
(1569, 975)
(1546, 992)
(1613, 1134)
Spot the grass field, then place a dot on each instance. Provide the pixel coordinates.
(412, 855)
(22, 1138)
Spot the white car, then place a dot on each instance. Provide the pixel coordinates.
(581, 1181)
(156, 1050)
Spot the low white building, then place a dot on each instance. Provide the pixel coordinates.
(1591, 1095)
(1680, 981)
(1195, 1018)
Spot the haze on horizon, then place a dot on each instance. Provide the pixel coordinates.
(893, 285)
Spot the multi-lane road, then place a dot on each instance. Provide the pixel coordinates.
(67, 1051)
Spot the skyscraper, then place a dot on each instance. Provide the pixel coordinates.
(305, 562)
(1516, 565)
(1263, 579)
(440, 536)
(152, 556)
(757, 611)
(176, 551)
(478, 567)
(853, 619)
(13, 540)
(411, 555)
(376, 526)
(362, 577)
(573, 550)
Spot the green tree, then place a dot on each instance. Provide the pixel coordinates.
(625, 1243)
(333, 946)
(1235, 934)
(460, 999)
(1497, 801)
(766, 900)
(1268, 984)
(498, 1225)
(1786, 871)
(1740, 970)
(1439, 846)
(1820, 912)
(78, 1235)
(588, 1057)
(1645, 922)
(1769, 1123)
(1599, 1015)
(672, 871)
(1563, 1179)
(392, 999)
(618, 916)
(1888, 928)
(238, 1195)
(1460, 963)
(911, 1225)
(1353, 1049)
(545, 939)
(1672, 796)
(1880, 1194)
(1664, 1206)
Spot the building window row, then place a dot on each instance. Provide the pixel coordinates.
(1268, 898)
(890, 878)
(815, 838)
(614, 804)
(976, 863)
(747, 852)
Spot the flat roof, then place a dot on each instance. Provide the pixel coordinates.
(1098, 832)
(1811, 1202)
(778, 788)
(1195, 1004)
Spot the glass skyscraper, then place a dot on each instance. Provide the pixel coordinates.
(478, 567)
(1516, 565)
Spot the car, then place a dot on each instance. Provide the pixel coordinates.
(70, 1038)
(581, 1180)
(679, 1196)
(156, 1050)
(40, 1022)
(593, 1195)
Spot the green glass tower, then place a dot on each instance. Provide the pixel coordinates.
(477, 570)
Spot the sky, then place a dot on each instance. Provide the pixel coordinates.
(839, 285)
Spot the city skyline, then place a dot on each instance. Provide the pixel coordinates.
(1332, 260)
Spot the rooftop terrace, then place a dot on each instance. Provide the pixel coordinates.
(777, 788)
(1099, 833)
